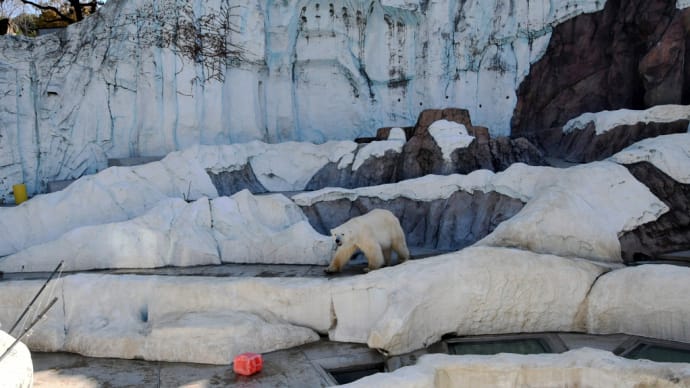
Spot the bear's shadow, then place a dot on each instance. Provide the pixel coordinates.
(356, 266)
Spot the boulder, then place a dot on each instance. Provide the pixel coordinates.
(427, 152)
(663, 165)
(578, 211)
(647, 300)
(16, 368)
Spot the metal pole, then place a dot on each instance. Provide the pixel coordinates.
(35, 297)
(45, 310)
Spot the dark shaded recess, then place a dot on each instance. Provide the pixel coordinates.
(374, 171)
(632, 54)
(583, 146)
(230, 182)
(669, 233)
(447, 224)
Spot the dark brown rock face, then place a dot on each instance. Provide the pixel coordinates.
(633, 54)
(669, 233)
(422, 156)
(583, 146)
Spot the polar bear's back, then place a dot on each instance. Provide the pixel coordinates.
(381, 224)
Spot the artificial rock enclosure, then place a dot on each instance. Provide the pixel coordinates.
(537, 147)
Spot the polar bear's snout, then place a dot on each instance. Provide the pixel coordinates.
(338, 241)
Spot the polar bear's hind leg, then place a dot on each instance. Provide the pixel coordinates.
(374, 254)
(400, 247)
(387, 256)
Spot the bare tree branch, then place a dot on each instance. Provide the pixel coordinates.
(43, 7)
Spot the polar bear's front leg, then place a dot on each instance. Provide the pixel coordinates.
(341, 257)
(372, 250)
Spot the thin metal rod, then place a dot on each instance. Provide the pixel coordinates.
(26, 310)
(45, 310)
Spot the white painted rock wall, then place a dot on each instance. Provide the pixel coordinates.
(115, 85)
(16, 369)
(115, 194)
(242, 228)
(649, 300)
(122, 193)
(266, 229)
(576, 368)
(173, 233)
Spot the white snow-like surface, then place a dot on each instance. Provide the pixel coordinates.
(607, 120)
(115, 194)
(108, 89)
(450, 136)
(377, 149)
(668, 153)
(682, 4)
(16, 369)
(122, 193)
(397, 133)
(266, 229)
(649, 300)
(242, 228)
(48, 334)
(173, 233)
(583, 367)
(426, 188)
(414, 304)
(190, 319)
(580, 211)
(397, 309)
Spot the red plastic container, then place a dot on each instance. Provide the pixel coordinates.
(246, 364)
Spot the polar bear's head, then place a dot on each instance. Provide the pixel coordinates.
(340, 236)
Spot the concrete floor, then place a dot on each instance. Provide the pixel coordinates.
(299, 367)
(305, 366)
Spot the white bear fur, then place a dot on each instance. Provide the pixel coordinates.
(376, 234)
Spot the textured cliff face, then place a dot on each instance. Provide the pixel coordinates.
(148, 77)
(632, 54)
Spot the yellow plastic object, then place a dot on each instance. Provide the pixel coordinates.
(19, 193)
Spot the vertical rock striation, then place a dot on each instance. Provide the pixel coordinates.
(149, 77)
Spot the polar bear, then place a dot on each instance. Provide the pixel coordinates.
(375, 234)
